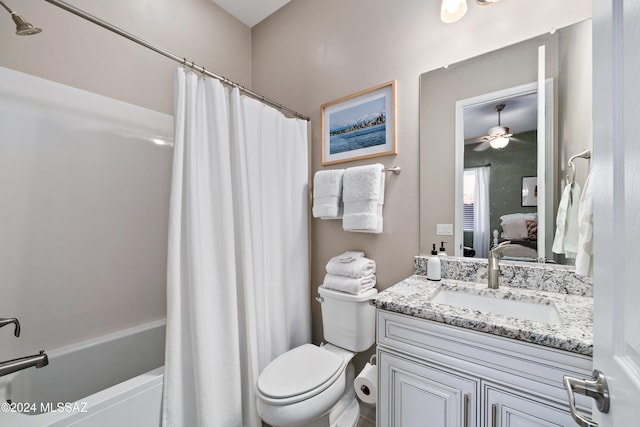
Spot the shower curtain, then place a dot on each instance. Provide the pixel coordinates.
(238, 271)
(481, 226)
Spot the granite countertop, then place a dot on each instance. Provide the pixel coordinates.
(574, 333)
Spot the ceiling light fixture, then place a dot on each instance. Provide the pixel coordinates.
(499, 134)
(452, 10)
(499, 142)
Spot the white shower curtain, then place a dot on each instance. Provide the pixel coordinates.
(481, 226)
(237, 274)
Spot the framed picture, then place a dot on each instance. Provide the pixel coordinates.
(529, 191)
(359, 126)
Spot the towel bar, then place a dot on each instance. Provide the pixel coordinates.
(395, 169)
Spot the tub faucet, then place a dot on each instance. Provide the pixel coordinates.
(38, 360)
(8, 321)
(494, 267)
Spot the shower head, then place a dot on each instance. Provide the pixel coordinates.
(23, 27)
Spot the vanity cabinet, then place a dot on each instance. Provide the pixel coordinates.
(419, 394)
(432, 374)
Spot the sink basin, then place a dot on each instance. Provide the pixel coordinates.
(543, 313)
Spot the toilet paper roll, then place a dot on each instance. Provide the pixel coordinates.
(366, 384)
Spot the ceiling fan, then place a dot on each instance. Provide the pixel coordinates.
(497, 138)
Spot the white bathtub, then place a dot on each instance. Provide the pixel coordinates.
(114, 380)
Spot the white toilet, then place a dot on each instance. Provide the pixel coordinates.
(313, 386)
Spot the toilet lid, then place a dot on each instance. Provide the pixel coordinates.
(299, 371)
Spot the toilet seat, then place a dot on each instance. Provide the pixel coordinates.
(299, 374)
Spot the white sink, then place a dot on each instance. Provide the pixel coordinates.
(543, 313)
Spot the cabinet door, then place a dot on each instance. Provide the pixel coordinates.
(503, 408)
(418, 394)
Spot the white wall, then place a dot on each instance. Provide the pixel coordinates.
(311, 52)
(84, 221)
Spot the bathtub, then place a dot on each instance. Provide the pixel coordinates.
(113, 380)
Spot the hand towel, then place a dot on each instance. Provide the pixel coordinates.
(584, 257)
(359, 267)
(363, 196)
(349, 284)
(566, 238)
(327, 194)
(348, 256)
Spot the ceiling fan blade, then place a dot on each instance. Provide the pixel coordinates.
(482, 146)
(476, 140)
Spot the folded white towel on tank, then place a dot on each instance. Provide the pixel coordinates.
(349, 284)
(348, 256)
(359, 267)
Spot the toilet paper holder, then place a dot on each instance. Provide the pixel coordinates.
(363, 388)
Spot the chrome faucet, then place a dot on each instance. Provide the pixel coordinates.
(494, 267)
(8, 321)
(38, 360)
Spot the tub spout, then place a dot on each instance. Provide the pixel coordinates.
(4, 322)
(38, 360)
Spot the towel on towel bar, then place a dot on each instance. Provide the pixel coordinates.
(359, 267)
(327, 194)
(349, 284)
(566, 238)
(584, 257)
(363, 196)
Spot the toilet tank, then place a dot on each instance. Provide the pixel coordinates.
(348, 321)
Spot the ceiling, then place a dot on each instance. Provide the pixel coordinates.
(520, 114)
(250, 12)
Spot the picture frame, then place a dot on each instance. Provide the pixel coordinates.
(359, 126)
(529, 191)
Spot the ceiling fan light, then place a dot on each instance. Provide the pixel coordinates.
(499, 142)
(498, 131)
(452, 10)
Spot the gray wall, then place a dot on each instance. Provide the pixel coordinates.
(75, 52)
(311, 52)
(508, 166)
(101, 295)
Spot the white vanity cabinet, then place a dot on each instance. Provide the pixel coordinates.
(435, 375)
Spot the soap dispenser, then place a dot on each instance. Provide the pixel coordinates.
(433, 265)
(441, 252)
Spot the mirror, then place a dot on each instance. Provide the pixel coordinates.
(458, 104)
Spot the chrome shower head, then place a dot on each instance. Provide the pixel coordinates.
(23, 27)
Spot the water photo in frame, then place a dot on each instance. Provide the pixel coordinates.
(360, 126)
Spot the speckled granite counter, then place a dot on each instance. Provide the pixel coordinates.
(413, 297)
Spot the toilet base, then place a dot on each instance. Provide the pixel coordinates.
(339, 416)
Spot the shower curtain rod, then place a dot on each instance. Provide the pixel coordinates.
(104, 24)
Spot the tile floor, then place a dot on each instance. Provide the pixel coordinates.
(367, 416)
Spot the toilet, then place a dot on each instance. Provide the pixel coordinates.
(312, 386)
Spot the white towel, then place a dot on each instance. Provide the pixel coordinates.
(584, 258)
(348, 256)
(566, 238)
(359, 267)
(349, 284)
(363, 196)
(327, 194)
